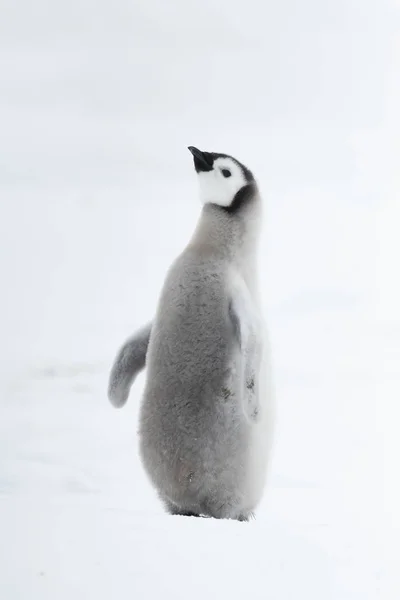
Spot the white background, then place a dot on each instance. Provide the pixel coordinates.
(98, 102)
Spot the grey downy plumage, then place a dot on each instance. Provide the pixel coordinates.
(206, 416)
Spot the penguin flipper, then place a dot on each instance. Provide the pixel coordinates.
(130, 360)
(245, 332)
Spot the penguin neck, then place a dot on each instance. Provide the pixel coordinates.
(231, 236)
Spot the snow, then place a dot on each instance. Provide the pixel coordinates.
(97, 196)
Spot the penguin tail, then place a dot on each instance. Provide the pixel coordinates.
(130, 360)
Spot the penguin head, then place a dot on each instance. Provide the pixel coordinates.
(223, 180)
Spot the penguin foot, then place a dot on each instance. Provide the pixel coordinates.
(175, 510)
(246, 517)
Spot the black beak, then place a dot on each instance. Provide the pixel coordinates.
(202, 160)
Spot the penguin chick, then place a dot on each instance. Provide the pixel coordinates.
(206, 415)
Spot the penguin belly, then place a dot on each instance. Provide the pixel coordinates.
(197, 456)
(197, 443)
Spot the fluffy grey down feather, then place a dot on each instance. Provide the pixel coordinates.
(130, 360)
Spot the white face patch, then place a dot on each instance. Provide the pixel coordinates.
(221, 185)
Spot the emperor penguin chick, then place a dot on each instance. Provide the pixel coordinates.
(206, 416)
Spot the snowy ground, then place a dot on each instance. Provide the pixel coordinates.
(97, 196)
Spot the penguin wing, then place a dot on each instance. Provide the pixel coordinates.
(130, 360)
(245, 327)
(241, 314)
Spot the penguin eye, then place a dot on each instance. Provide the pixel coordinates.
(226, 172)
